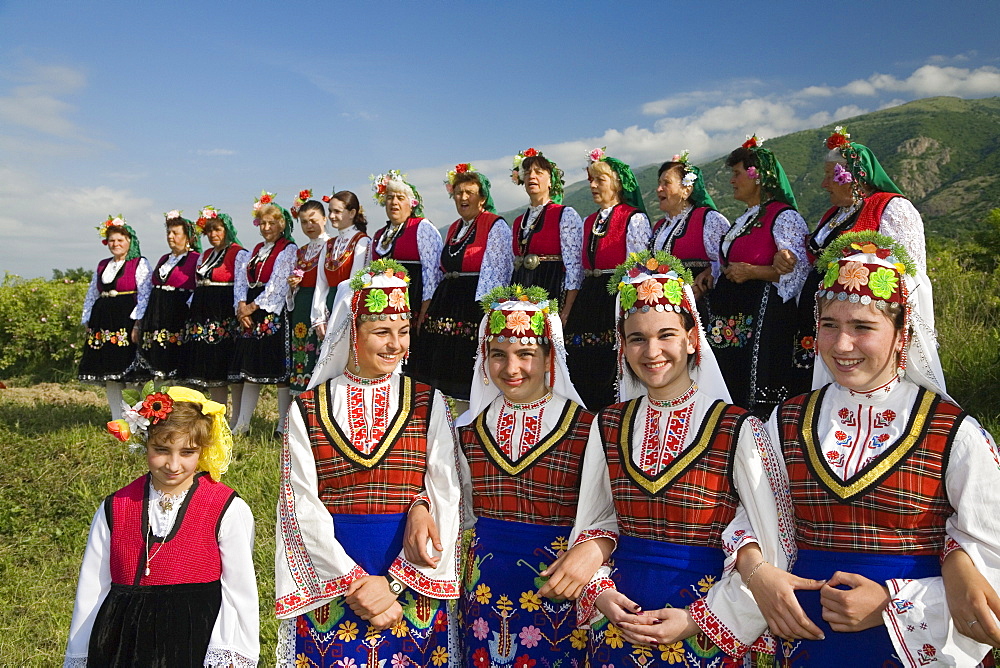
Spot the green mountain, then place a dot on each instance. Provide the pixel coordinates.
(943, 153)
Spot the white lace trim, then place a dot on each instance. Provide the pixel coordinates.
(75, 662)
(224, 657)
(284, 651)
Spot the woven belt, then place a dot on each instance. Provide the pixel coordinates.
(456, 274)
(115, 293)
(597, 272)
(531, 260)
(256, 285)
(170, 288)
(202, 282)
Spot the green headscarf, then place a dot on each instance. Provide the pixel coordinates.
(133, 247)
(773, 180)
(699, 193)
(190, 229)
(484, 183)
(865, 167)
(227, 223)
(629, 185)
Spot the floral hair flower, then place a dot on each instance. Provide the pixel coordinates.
(597, 154)
(264, 199)
(156, 407)
(752, 173)
(515, 170)
(461, 168)
(841, 175)
(753, 141)
(175, 213)
(112, 221)
(304, 196)
(840, 137)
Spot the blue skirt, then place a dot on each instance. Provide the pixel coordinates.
(869, 648)
(656, 574)
(332, 636)
(504, 621)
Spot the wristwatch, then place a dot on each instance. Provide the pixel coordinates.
(395, 586)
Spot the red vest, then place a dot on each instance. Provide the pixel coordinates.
(545, 240)
(757, 246)
(387, 480)
(124, 282)
(687, 243)
(258, 272)
(897, 504)
(182, 276)
(868, 218)
(693, 499)
(338, 269)
(226, 271)
(189, 554)
(611, 249)
(472, 255)
(543, 486)
(404, 248)
(307, 267)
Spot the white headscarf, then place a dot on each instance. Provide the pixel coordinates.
(483, 393)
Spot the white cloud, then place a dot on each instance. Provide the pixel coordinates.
(35, 101)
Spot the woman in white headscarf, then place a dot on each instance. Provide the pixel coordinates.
(680, 484)
(887, 476)
(364, 445)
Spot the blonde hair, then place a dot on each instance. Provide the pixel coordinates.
(601, 168)
(272, 210)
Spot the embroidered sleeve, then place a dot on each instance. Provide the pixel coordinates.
(917, 616)
(429, 244)
(144, 287)
(595, 511)
(311, 567)
(571, 247)
(901, 221)
(789, 233)
(728, 613)
(638, 234)
(444, 492)
(240, 278)
(89, 300)
(716, 226)
(587, 613)
(273, 298)
(91, 589)
(235, 637)
(498, 261)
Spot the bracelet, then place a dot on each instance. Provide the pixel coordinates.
(746, 581)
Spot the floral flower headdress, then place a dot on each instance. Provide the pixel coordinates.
(208, 213)
(380, 186)
(327, 198)
(693, 179)
(868, 268)
(190, 228)
(304, 196)
(460, 168)
(690, 176)
(151, 407)
(770, 174)
(863, 168)
(381, 292)
(119, 221)
(651, 281)
(629, 184)
(268, 198)
(517, 175)
(484, 183)
(516, 313)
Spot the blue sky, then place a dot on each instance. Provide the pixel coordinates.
(118, 107)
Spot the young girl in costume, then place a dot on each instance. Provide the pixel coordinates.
(302, 285)
(680, 483)
(167, 576)
(364, 445)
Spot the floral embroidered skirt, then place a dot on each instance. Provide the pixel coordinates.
(262, 352)
(590, 343)
(163, 352)
(332, 636)
(305, 343)
(750, 330)
(878, 648)
(656, 574)
(108, 353)
(211, 333)
(503, 620)
(450, 335)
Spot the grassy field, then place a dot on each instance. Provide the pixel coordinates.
(58, 465)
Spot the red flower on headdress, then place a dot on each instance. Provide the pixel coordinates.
(265, 199)
(326, 199)
(751, 142)
(462, 168)
(883, 253)
(530, 152)
(156, 407)
(305, 194)
(836, 140)
(120, 430)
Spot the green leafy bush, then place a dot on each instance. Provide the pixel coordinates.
(41, 338)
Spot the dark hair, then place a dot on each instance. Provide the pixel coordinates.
(117, 229)
(893, 311)
(744, 155)
(546, 347)
(211, 224)
(671, 165)
(185, 418)
(539, 160)
(311, 205)
(469, 177)
(351, 203)
(686, 319)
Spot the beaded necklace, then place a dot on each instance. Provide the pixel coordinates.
(366, 382)
(456, 246)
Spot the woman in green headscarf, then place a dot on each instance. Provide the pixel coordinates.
(478, 255)
(750, 313)
(617, 228)
(863, 198)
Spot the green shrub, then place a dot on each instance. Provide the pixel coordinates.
(41, 338)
